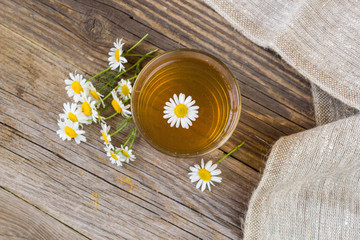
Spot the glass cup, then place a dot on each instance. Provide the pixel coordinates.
(193, 73)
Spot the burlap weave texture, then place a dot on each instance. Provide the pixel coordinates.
(311, 184)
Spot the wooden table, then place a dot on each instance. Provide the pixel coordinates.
(50, 189)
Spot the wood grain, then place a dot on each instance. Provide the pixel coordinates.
(21, 220)
(151, 198)
(272, 92)
(49, 172)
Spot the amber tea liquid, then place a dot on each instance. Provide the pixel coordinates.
(193, 77)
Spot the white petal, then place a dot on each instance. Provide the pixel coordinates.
(192, 118)
(199, 183)
(193, 169)
(197, 166)
(172, 122)
(208, 165)
(123, 60)
(168, 115)
(181, 98)
(194, 178)
(183, 123)
(176, 99)
(202, 163)
(188, 121)
(187, 100)
(208, 184)
(203, 186)
(215, 172)
(191, 103)
(177, 123)
(212, 167)
(168, 111)
(173, 104)
(216, 179)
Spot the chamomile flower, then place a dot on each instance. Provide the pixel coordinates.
(180, 111)
(72, 111)
(70, 130)
(114, 157)
(115, 59)
(119, 107)
(105, 133)
(75, 86)
(89, 109)
(95, 94)
(124, 89)
(127, 154)
(205, 175)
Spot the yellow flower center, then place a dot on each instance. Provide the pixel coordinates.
(113, 155)
(204, 175)
(125, 90)
(181, 110)
(105, 137)
(70, 132)
(116, 106)
(117, 55)
(76, 86)
(125, 153)
(72, 117)
(86, 108)
(95, 94)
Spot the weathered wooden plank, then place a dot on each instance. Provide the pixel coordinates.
(21, 220)
(272, 91)
(61, 176)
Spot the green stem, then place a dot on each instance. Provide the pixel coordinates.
(232, 151)
(130, 135)
(135, 55)
(137, 43)
(133, 139)
(111, 116)
(137, 63)
(123, 124)
(129, 79)
(107, 84)
(98, 74)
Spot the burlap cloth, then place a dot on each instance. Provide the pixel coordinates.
(311, 183)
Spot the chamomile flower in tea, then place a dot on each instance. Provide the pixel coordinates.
(72, 111)
(127, 154)
(119, 107)
(205, 175)
(76, 85)
(124, 89)
(70, 130)
(180, 111)
(115, 59)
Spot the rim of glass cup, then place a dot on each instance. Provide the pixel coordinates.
(233, 122)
